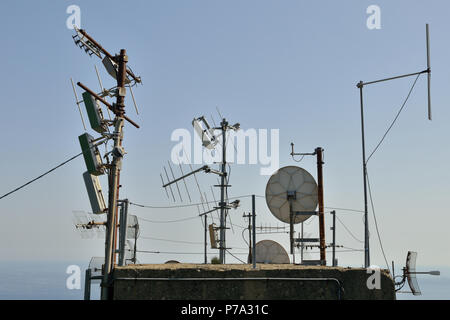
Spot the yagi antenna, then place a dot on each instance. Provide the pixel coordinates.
(185, 185)
(162, 180)
(85, 42)
(170, 188)
(206, 169)
(176, 183)
(89, 225)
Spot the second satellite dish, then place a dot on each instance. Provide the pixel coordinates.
(296, 183)
(268, 251)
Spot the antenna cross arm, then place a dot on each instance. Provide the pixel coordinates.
(209, 170)
(205, 168)
(362, 84)
(108, 105)
(209, 211)
(300, 154)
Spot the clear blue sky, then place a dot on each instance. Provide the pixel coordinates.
(287, 65)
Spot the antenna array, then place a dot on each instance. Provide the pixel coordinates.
(209, 140)
(117, 67)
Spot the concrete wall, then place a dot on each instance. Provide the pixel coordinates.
(237, 282)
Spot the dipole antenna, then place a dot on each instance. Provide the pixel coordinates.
(360, 85)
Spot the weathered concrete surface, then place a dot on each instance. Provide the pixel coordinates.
(236, 282)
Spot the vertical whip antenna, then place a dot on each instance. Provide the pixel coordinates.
(78, 103)
(102, 89)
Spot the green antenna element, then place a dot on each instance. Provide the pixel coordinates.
(95, 194)
(94, 112)
(91, 155)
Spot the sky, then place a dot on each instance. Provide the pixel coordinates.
(286, 65)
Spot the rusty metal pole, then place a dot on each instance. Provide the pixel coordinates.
(320, 162)
(114, 179)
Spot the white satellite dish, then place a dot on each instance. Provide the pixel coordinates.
(297, 183)
(268, 251)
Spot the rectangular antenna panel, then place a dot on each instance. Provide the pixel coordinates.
(213, 236)
(94, 112)
(91, 155)
(205, 133)
(112, 68)
(95, 194)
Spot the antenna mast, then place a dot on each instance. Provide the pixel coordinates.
(360, 86)
(117, 68)
(209, 141)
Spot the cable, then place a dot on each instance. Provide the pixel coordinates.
(242, 227)
(395, 119)
(353, 236)
(352, 249)
(375, 219)
(293, 158)
(171, 252)
(168, 221)
(234, 256)
(169, 240)
(183, 205)
(344, 209)
(243, 238)
(42, 175)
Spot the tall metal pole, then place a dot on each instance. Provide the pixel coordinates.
(254, 231)
(250, 253)
(318, 152)
(114, 178)
(123, 228)
(334, 237)
(222, 243)
(206, 234)
(291, 228)
(302, 244)
(366, 221)
(87, 284)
